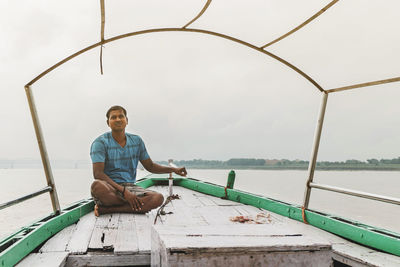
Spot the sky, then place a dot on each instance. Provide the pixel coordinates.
(191, 95)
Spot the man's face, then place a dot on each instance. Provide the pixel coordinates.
(117, 120)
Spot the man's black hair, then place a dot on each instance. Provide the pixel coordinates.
(115, 108)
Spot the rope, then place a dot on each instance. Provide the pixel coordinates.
(161, 211)
(303, 214)
(103, 21)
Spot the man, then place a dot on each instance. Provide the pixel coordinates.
(115, 157)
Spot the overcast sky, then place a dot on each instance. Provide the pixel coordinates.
(190, 95)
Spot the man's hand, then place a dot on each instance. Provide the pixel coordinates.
(133, 201)
(180, 171)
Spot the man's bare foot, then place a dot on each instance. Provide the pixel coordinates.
(96, 210)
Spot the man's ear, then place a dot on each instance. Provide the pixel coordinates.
(126, 120)
(108, 123)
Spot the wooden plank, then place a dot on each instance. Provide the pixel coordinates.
(127, 240)
(218, 243)
(243, 244)
(244, 230)
(79, 241)
(354, 253)
(59, 242)
(218, 214)
(111, 231)
(143, 226)
(205, 200)
(103, 233)
(44, 259)
(187, 215)
(188, 197)
(247, 210)
(109, 259)
(224, 202)
(256, 258)
(97, 234)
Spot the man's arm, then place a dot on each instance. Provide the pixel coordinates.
(98, 173)
(152, 167)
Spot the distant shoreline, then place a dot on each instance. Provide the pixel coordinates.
(235, 163)
(300, 168)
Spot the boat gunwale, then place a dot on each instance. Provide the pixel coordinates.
(38, 232)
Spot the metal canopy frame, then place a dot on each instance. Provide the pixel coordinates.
(185, 29)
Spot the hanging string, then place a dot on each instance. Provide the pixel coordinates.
(103, 20)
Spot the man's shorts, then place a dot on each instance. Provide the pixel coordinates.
(139, 191)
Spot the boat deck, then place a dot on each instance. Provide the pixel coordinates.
(126, 239)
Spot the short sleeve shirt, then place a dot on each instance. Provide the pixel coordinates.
(120, 163)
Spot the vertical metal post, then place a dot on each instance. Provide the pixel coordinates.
(314, 153)
(170, 179)
(43, 151)
(231, 179)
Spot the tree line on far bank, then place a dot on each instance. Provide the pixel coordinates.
(253, 163)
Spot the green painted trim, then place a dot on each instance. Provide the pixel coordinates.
(29, 238)
(145, 182)
(370, 236)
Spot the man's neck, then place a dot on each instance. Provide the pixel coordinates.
(120, 137)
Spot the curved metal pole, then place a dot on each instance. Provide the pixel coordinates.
(178, 30)
(43, 151)
(198, 16)
(359, 85)
(302, 25)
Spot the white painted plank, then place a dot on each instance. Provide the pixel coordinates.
(365, 255)
(100, 230)
(249, 241)
(218, 214)
(143, 226)
(239, 238)
(187, 215)
(243, 258)
(127, 240)
(79, 241)
(246, 230)
(44, 259)
(224, 202)
(111, 231)
(59, 242)
(188, 197)
(249, 210)
(205, 200)
(108, 259)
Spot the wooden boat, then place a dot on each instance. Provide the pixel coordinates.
(197, 229)
(201, 228)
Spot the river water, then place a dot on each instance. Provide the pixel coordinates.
(288, 186)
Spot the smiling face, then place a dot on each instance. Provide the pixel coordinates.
(117, 120)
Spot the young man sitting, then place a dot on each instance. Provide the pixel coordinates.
(115, 156)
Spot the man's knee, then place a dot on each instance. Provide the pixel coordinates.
(98, 187)
(158, 199)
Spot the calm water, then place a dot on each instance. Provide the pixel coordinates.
(74, 184)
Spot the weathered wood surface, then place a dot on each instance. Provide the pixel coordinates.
(44, 259)
(118, 239)
(105, 232)
(108, 259)
(143, 226)
(60, 241)
(127, 239)
(235, 238)
(266, 245)
(80, 239)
